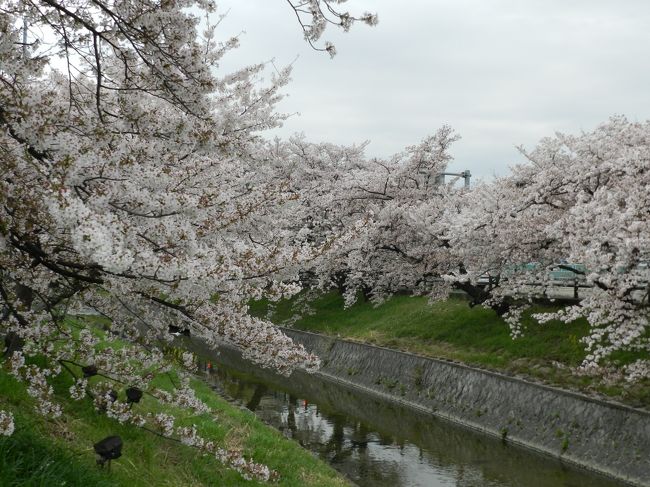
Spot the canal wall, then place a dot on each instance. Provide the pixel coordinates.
(606, 437)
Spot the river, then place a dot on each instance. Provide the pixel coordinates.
(377, 443)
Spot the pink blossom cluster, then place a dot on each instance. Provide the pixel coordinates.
(6, 423)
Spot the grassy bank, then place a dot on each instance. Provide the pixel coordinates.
(451, 329)
(56, 452)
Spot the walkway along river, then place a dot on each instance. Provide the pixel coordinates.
(380, 443)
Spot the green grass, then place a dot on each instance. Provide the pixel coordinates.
(55, 452)
(28, 459)
(446, 328)
(452, 330)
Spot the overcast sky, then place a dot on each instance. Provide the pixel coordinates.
(502, 73)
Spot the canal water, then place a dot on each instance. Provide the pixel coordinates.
(376, 443)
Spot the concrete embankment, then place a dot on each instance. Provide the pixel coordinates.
(610, 438)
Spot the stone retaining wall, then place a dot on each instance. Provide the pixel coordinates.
(610, 438)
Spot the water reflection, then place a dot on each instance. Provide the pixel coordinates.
(383, 444)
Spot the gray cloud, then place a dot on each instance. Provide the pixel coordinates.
(501, 72)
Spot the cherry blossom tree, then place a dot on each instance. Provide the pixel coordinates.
(134, 181)
(399, 244)
(321, 176)
(580, 204)
(389, 221)
(580, 200)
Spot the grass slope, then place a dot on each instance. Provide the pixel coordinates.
(451, 329)
(59, 452)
